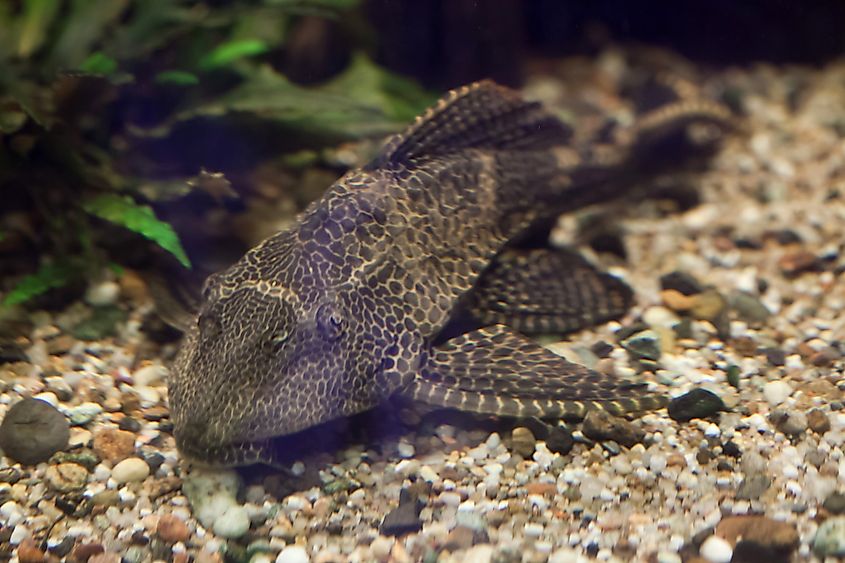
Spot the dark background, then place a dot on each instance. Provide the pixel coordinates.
(445, 43)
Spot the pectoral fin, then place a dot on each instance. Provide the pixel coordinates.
(547, 290)
(496, 371)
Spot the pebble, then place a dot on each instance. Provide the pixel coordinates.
(130, 470)
(749, 308)
(716, 550)
(829, 540)
(172, 529)
(405, 518)
(776, 392)
(81, 415)
(791, 423)
(381, 547)
(478, 554)
(777, 535)
(835, 503)
(600, 425)
(28, 552)
(32, 431)
(698, 403)
(102, 294)
(752, 487)
(523, 441)
(533, 530)
(150, 375)
(113, 445)
(293, 554)
(818, 421)
(232, 523)
(66, 477)
(644, 345)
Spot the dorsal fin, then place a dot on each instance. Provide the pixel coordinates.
(479, 115)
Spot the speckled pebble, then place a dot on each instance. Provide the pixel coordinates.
(829, 540)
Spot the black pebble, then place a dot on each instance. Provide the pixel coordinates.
(559, 440)
(681, 282)
(601, 349)
(129, 424)
(698, 403)
(730, 448)
(405, 518)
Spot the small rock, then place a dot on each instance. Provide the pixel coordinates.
(781, 536)
(681, 282)
(523, 441)
(233, 523)
(149, 375)
(835, 503)
(28, 552)
(791, 423)
(775, 357)
(405, 518)
(818, 421)
(381, 547)
(749, 308)
(102, 323)
(129, 424)
(172, 529)
(559, 440)
(600, 425)
(708, 306)
(293, 554)
(66, 477)
(479, 554)
(795, 263)
(84, 551)
(460, 537)
(102, 294)
(753, 486)
(698, 403)
(105, 558)
(776, 392)
(716, 550)
(130, 470)
(830, 538)
(114, 445)
(81, 415)
(644, 345)
(32, 431)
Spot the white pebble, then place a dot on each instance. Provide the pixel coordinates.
(716, 549)
(381, 546)
(405, 449)
(493, 441)
(533, 530)
(148, 396)
(478, 554)
(233, 523)
(130, 470)
(293, 554)
(19, 534)
(776, 392)
(48, 397)
(102, 294)
(428, 474)
(449, 498)
(148, 375)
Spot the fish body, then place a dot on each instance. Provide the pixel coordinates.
(350, 305)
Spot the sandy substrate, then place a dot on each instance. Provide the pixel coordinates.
(756, 321)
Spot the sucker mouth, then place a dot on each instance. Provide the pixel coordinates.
(228, 455)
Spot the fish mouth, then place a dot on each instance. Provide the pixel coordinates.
(235, 454)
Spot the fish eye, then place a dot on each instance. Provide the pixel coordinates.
(329, 321)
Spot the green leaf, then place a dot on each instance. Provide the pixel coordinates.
(86, 24)
(48, 276)
(37, 17)
(99, 63)
(121, 210)
(177, 77)
(231, 51)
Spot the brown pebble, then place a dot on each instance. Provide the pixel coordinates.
(461, 537)
(84, 551)
(28, 552)
(114, 445)
(818, 421)
(794, 263)
(541, 488)
(172, 529)
(180, 557)
(163, 486)
(154, 414)
(708, 305)
(676, 300)
(523, 441)
(600, 425)
(66, 477)
(105, 558)
(779, 536)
